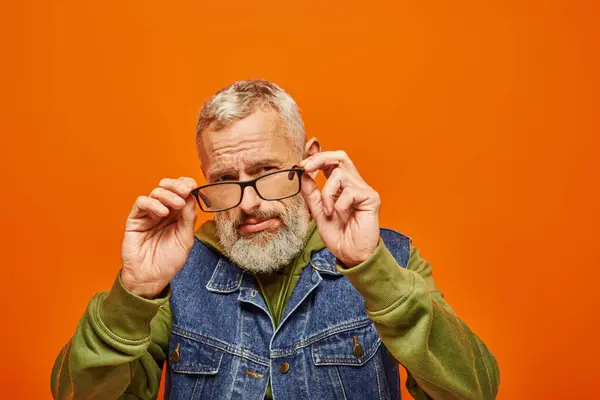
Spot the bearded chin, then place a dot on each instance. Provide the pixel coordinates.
(266, 251)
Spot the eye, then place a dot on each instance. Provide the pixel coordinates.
(264, 170)
(225, 178)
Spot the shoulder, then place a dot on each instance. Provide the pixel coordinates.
(199, 264)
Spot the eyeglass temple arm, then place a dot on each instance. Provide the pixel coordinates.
(204, 199)
(291, 173)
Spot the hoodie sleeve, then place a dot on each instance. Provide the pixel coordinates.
(444, 359)
(118, 349)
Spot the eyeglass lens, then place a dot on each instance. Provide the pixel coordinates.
(270, 187)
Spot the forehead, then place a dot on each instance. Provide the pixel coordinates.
(258, 137)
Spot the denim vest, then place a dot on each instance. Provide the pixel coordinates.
(224, 344)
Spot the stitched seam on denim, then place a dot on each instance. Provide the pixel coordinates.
(377, 371)
(198, 368)
(235, 365)
(357, 361)
(315, 338)
(306, 383)
(221, 346)
(112, 335)
(317, 379)
(224, 288)
(286, 316)
(235, 285)
(325, 267)
(241, 297)
(195, 388)
(268, 380)
(241, 314)
(192, 368)
(337, 371)
(212, 388)
(328, 273)
(212, 277)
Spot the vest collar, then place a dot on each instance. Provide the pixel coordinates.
(227, 276)
(325, 262)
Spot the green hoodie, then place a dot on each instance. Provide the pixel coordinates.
(121, 341)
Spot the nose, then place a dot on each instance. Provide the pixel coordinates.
(250, 200)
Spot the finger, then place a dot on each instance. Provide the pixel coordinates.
(347, 203)
(312, 196)
(331, 191)
(338, 181)
(188, 214)
(168, 198)
(145, 205)
(181, 187)
(190, 181)
(343, 205)
(327, 161)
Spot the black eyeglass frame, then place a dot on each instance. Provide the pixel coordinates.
(252, 183)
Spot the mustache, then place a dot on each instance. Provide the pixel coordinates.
(260, 215)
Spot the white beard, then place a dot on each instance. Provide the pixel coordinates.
(266, 251)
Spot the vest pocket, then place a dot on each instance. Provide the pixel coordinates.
(350, 364)
(193, 367)
(352, 347)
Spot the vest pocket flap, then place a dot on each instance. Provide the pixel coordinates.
(351, 347)
(189, 356)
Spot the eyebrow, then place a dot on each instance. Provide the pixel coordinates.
(266, 161)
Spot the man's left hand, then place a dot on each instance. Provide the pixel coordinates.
(346, 210)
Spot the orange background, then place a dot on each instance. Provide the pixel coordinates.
(477, 123)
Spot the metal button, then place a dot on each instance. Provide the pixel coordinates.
(358, 350)
(284, 367)
(175, 354)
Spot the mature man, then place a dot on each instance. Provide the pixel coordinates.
(291, 292)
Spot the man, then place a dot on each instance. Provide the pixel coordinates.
(291, 292)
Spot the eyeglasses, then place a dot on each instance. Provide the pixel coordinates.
(277, 185)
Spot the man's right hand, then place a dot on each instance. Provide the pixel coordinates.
(159, 234)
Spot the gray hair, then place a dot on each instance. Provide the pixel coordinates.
(242, 98)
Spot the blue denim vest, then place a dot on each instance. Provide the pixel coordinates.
(224, 344)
